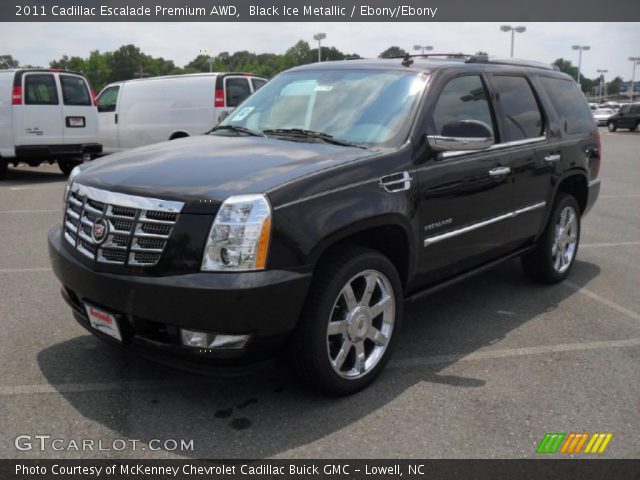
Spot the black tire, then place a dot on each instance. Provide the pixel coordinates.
(311, 344)
(612, 126)
(3, 167)
(542, 264)
(66, 166)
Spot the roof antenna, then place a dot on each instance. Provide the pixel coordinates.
(407, 61)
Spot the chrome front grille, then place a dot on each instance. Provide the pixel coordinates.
(117, 228)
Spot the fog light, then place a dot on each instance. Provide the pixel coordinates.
(192, 338)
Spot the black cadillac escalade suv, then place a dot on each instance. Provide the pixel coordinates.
(303, 220)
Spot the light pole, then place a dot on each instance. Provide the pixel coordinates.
(580, 50)
(636, 61)
(602, 83)
(208, 52)
(424, 48)
(319, 37)
(513, 30)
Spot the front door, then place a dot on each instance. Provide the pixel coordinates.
(108, 119)
(465, 196)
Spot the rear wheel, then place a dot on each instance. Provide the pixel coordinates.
(552, 259)
(66, 166)
(348, 328)
(3, 167)
(612, 126)
(636, 128)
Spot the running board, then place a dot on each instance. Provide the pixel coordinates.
(468, 274)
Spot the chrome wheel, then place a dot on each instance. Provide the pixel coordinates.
(565, 241)
(361, 324)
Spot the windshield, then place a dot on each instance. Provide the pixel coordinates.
(364, 107)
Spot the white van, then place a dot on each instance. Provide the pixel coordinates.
(46, 115)
(139, 112)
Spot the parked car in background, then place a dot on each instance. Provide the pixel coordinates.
(46, 116)
(593, 106)
(627, 117)
(306, 217)
(615, 106)
(601, 115)
(140, 112)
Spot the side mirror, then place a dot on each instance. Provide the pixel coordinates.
(462, 135)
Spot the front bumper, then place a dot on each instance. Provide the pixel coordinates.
(265, 305)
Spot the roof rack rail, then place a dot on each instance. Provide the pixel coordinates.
(482, 58)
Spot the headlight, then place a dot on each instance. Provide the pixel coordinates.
(239, 236)
(73, 174)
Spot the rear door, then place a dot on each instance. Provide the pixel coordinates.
(465, 196)
(236, 89)
(79, 114)
(257, 83)
(533, 156)
(38, 121)
(108, 118)
(624, 117)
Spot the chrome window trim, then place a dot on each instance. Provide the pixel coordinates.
(470, 228)
(126, 200)
(496, 146)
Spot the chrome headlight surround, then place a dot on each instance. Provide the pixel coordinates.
(239, 237)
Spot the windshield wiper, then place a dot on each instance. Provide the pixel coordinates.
(301, 132)
(236, 128)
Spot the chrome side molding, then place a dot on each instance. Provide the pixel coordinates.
(470, 228)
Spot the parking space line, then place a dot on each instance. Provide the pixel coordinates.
(510, 352)
(12, 390)
(603, 300)
(630, 195)
(610, 244)
(57, 210)
(21, 270)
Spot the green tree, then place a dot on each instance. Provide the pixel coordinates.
(7, 61)
(393, 52)
(97, 70)
(613, 88)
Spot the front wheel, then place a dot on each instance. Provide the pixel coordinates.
(350, 321)
(3, 167)
(552, 259)
(612, 126)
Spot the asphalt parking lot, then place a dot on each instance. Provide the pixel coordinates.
(484, 369)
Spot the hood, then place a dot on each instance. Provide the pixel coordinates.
(213, 167)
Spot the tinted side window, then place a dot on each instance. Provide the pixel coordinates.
(635, 109)
(257, 83)
(237, 91)
(463, 98)
(108, 99)
(74, 91)
(570, 104)
(523, 117)
(40, 89)
(625, 109)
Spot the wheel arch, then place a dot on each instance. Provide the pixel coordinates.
(179, 134)
(576, 184)
(388, 234)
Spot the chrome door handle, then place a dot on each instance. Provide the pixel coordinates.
(554, 157)
(499, 171)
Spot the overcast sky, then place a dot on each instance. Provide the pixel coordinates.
(611, 43)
